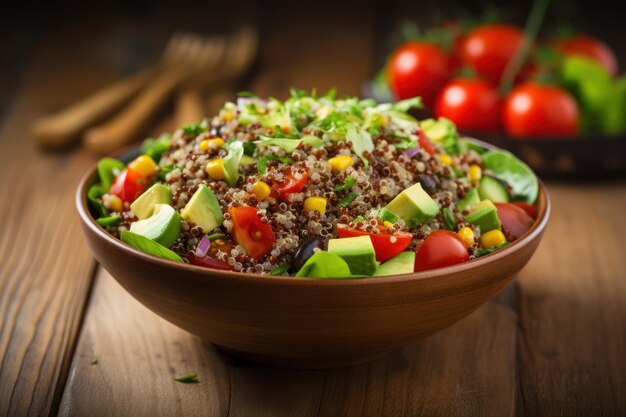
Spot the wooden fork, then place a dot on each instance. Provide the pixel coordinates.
(59, 129)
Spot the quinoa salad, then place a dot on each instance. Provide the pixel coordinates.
(316, 186)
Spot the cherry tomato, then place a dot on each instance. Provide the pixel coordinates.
(426, 144)
(386, 246)
(590, 47)
(290, 185)
(528, 208)
(515, 221)
(488, 49)
(418, 69)
(532, 110)
(128, 185)
(248, 231)
(473, 105)
(441, 248)
(209, 262)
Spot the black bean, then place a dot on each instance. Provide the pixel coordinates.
(304, 252)
(429, 184)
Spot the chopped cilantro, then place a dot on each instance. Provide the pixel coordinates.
(345, 202)
(449, 221)
(194, 129)
(347, 184)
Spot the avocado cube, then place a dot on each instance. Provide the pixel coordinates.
(163, 226)
(403, 263)
(203, 209)
(144, 206)
(414, 206)
(358, 252)
(485, 216)
(470, 200)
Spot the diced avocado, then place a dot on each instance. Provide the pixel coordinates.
(403, 263)
(203, 209)
(358, 252)
(470, 200)
(387, 216)
(485, 216)
(489, 188)
(247, 160)
(437, 130)
(324, 265)
(163, 226)
(144, 205)
(414, 206)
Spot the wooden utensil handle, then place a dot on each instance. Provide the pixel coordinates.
(189, 107)
(125, 127)
(61, 128)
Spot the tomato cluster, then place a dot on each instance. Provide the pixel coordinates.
(476, 103)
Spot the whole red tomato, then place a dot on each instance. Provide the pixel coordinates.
(590, 47)
(473, 105)
(418, 69)
(536, 110)
(488, 49)
(441, 248)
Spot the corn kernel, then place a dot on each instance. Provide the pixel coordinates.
(492, 238)
(213, 143)
(228, 115)
(115, 203)
(467, 236)
(445, 159)
(315, 204)
(387, 223)
(340, 163)
(261, 190)
(475, 173)
(214, 169)
(144, 165)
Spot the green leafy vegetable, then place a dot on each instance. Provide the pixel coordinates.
(483, 252)
(231, 161)
(155, 148)
(194, 129)
(361, 142)
(109, 221)
(92, 196)
(408, 104)
(166, 170)
(516, 173)
(324, 265)
(191, 378)
(279, 270)
(449, 221)
(149, 246)
(249, 148)
(347, 184)
(108, 170)
(262, 164)
(345, 202)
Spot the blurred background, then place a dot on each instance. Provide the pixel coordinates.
(319, 45)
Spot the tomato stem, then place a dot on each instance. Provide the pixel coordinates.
(535, 19)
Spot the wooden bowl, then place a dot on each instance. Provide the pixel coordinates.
(308, 322)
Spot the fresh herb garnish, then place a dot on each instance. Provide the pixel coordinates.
(216, 236)
(191, 378)
(279, 270)
(155, 148)
(249, 148)
(262, 163)
(166, 170)
(347, 184)
(483, 252)
(449, 221)
(347, 200)
(194, 129)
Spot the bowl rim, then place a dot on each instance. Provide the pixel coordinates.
(543, 214)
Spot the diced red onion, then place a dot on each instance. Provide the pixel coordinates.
(203, 247)
(244, 101)
(412, 152)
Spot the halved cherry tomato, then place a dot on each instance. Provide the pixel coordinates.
(515, 221)
(248, 231)
(528, 208)
(290, 185)
(209, 262)
(473, 105)
(386, 246)
(418, 69)
(590, 47)
(426, 144)
(441, 248)
(129, 185)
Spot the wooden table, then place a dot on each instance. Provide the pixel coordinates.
(73, 342)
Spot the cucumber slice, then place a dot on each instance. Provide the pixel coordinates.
(490, 188)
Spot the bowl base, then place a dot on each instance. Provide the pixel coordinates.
(302, 363)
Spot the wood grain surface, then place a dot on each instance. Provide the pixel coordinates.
(553, 343)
